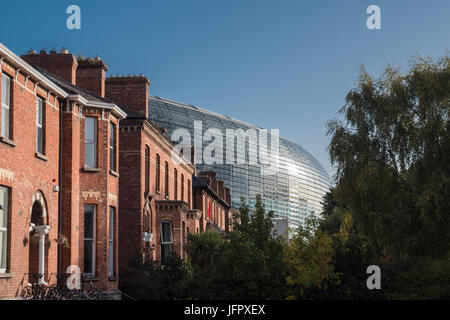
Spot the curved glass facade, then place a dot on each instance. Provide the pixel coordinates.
(295, 191)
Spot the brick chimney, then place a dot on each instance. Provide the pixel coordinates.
(212, 176)
(221, 189)
(62, 64)
(91, 75)
(130, 92)
(228, 195)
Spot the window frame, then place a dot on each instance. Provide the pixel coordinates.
(93, 142)
(158, 173)
(112, 242)
(147, 170)
(171, 232)
(40, 126)
(175, 183)
(93, 239)
(112, 147)
(166, 178)
(8, 107)
(5, 229)
(189, 192)
(182, 187)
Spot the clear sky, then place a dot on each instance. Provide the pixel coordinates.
(284, 64)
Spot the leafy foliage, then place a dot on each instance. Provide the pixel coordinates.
(392, 155)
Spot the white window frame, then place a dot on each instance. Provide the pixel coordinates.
(112, 147)
(40, 124)
(4, 107)
(93, 142)
(171, 232)
(5, 229)
(93, 239)
(111, 242)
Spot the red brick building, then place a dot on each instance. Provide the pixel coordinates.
(29, 174)
(59, 153)
(155, 191)
(89, 166)
(86, 180)
(213, 200)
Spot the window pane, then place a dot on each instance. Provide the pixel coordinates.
(89, 130)
(39, 111)
(88, 262)
(112, 147)
(89, 222)
(3, 207)
(6, 90)
(5, 122)
(90, 159)
(166, 232)
(112, 213)
(3, 226)
(90, 143)
(3, 249)
(39, 140)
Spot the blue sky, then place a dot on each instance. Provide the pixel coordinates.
(284, 64)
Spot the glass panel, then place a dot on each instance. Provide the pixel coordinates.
(112, 159)
(3, 227)
(112, 147)
(5, 122)
(3, 207)
(90, 155)
(39, 111)
(39, 140)
(89, 129)
(112, 213)
(166, 232)
(3, 250)
(88, 256)
(6, 90)
(6, 99)
(89, 222)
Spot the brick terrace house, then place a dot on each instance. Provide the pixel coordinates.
(58, 171)
(86, 180)
(29, 173)
(213, 200)
(155, 191)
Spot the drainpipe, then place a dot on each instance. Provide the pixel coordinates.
(60, 183)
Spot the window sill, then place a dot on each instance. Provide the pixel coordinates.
(6, 275)
(87, 278)
(8, 141)
(91, 169)
(113, 278)
(41, 156)
(114, 173)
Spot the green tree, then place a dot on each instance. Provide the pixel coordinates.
(204, 248)
(391, 152)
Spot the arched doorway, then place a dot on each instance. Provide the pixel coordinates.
(38, 249)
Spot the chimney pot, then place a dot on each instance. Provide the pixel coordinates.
(63, 51)
(31, 51)
(43, 51)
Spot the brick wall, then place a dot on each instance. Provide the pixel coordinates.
(29, 177)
